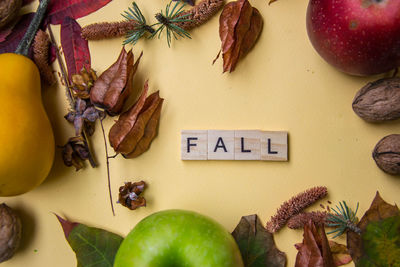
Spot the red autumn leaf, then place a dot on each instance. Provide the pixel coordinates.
(340, 253)
(315, 250)
(13, 38)
(75, 48)
(59, 9)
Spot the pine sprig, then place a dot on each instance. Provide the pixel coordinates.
(343, 219)
(134, 14)
(169, 19)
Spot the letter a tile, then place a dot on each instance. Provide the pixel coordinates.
(194, 144)
(221, 145)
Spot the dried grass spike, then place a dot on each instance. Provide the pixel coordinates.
(298, 221)
(41, 57)
(200, 13)
(106, 30)
(294, 206)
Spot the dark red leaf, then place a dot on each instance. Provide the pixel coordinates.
(75, 48)
(59, 9)
(27, 2)
(53, 53)
(12, 39)
(66, 225)
(4, 33)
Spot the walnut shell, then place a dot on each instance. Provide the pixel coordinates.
(10, 232)
(8, 11)
(378, 101)
(387, 154)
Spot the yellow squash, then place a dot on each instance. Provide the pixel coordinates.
(26, 137)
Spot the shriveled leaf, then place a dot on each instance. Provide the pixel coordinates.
(59, 9)
(256, 244)
(340, 253)
(315, 250)
(150, 132)
(381, 243)
(126, 121)
(92, 246)
(378, 211)
(114, 85)
(12, 39)
(136, 133)
(75, 48)
(240, 27)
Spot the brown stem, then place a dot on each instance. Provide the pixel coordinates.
(70, 95)
(108, 165)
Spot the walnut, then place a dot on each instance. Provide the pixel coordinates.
(387, 154)
(10, 232)
(378, 101)
(8, 11)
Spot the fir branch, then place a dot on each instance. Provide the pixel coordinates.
(343, 219)
(294, 206)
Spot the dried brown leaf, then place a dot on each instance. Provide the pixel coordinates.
(150, 132)
(126, 121)
(315, 250)
(340, 253)
(379, 210)
(240, 27)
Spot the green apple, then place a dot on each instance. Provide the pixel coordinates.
(178, 238)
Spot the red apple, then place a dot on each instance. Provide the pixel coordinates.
(359, 37)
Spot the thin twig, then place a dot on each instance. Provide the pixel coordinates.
(108, 165)
(70, 95)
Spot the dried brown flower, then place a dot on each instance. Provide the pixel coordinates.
(294, 206)
(298, 221)
(105, 30)
(83, 82)
(75, 152)
(130, 195)
(41, 47)
(200, 13)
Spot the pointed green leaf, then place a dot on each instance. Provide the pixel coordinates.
(93, 247)
(256, 244)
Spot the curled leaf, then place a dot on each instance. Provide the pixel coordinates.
(256, 244)
(130, 195)
(378, 211)
(240, 27)
(315, 250)
(75, 48)
(92, 246)
(115, 84)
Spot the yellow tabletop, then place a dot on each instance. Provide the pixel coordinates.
(281, 85)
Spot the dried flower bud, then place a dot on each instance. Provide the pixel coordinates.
(130, 195)
(75, 152)
(387, 154)
(10, 232)
(378, 101)
(82, 83)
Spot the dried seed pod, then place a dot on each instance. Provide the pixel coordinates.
(10, 232)
(387, 154)
(130, 195)
(105, 30)
(8, 11)
(41, 47)
(378, 101)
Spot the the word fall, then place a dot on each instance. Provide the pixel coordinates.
(234, 145)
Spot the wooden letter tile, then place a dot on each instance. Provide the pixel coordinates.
(221, 145)
(247, 145)
(274, 146)
(194, 144)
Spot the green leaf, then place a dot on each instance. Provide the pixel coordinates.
(256, 244)
(379, 210)
(381, 243)
(93, 247)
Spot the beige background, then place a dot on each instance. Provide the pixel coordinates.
(281, 85)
